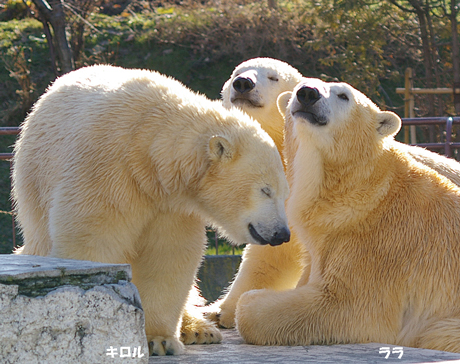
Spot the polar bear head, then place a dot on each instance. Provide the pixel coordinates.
(254, 87)
(336, 118)
(244, 189)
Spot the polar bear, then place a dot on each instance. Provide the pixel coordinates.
(383, 231)
(127, 166)
(254, 87)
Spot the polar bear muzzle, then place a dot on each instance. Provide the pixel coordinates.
(308, 95)
(305, 105)
(243, 84)
(244, 93)
(280, 235)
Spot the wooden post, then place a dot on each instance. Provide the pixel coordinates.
(456, 90)
(413, 135)
(408, 103)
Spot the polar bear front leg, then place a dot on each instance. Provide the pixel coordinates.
(313, 314)
(263, 266)
(169, 254)
(294, 317)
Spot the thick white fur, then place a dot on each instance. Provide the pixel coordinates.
(262, 266)
(125, 166)
(271, 77)
(280, 267)
(383, 231)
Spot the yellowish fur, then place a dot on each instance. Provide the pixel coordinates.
(383, 231)
(262, 266)
(280, 268)
(127, 166)
(271, 77)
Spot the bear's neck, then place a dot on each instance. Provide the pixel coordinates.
(332, 192)
(171, 161)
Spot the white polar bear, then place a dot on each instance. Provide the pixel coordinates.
(383, 231)
(254, 87)
(126, 166)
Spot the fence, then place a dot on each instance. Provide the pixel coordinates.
(448, 146)
(7, 157)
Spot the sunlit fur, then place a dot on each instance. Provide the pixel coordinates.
(280, 267)
(117, 165)
(383, 231)
(262, 266)
(271, 78)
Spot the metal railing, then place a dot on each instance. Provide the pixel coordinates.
(9, 130)
(8, 157)
(448, 145)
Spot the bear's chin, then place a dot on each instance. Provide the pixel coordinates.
(310, 117)
(243, 102)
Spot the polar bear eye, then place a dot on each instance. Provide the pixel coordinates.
(273, 78)
(343, 96)
(267, 191)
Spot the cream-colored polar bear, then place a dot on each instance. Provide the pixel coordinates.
(383, 231)
(254, 87)
(127, 166)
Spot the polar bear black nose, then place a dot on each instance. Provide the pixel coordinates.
(243, 84)
(308, 95)
(281, 236)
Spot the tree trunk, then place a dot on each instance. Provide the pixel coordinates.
(426, 47)
(272, 4)
(53, 13)
(57, 20)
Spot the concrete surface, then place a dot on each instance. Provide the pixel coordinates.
(65, 311)
(234, 351)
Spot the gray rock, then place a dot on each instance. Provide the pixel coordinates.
(68, 311)
(233, 350)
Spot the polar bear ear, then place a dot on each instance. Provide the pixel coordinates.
(282, 102)
(388, 123)
(220, 149)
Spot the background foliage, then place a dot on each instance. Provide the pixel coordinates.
(368, 44)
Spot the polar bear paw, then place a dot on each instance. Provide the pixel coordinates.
(199, 331)
(160, 345)
(225, 318)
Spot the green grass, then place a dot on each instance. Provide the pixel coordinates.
(224, 250)
(223, 247)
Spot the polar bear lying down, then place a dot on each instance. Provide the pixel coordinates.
(383, 231)
(127, 166)
(254, 87)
